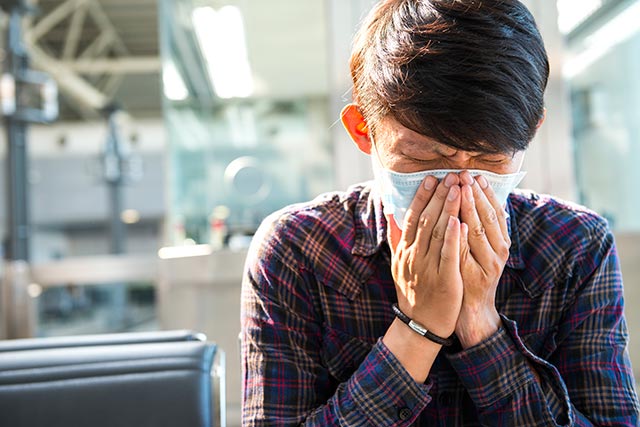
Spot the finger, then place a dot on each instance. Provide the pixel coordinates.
(450, 253)
(436, 238)
(393, 233)
(426, 221)
(477, 238)
(490, 219)
(464, 243)
(418, 204)
(488, 192)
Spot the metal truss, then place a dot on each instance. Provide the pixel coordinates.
(90, 77)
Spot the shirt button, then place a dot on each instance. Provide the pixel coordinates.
(404, 413)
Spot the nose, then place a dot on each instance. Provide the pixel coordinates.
(459, 160)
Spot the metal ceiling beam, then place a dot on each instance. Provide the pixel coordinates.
(97, 46)
(69, 81)
(110, 87)
(104, 23)
(87, 94)
(56, 16)
(75, 31)
(123, 65)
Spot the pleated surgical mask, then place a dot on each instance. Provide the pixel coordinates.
(398, 189)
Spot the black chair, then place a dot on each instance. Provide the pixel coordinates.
(156, 379)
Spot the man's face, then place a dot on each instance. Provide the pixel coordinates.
(403, 150)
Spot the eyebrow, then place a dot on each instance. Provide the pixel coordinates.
(413, 143)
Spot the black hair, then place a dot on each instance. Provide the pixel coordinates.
(470, 74)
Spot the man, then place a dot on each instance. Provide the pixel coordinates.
(427, 297)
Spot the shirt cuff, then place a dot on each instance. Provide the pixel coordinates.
(385, 392)
(493, 369)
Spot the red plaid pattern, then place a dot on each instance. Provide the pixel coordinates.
(317, 295)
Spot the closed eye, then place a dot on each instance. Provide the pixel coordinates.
(495, 159)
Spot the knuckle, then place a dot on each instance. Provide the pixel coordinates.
(411, 259)
(507, 241)
(503, 252)
(496, 266)
(410, 221)
(491, 217)
(478, 231)
(424, 220)
(438, 233)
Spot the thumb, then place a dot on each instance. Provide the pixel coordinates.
(464, 242)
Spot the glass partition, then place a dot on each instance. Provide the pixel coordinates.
(602, 67)
(246, 109)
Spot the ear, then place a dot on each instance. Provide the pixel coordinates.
(356, 127)
(542, 119)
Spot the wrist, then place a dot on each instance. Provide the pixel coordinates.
(476, 326)
(415, 353)
(420, 329)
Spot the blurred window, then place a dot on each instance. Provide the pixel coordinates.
(602, 68)
(246, 108)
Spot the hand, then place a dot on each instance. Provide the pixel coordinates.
(426, 256)
(484, 250)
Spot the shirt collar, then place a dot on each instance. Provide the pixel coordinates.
(371, 227)
(515, 260)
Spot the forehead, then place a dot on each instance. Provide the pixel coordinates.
(390, 134)
(393, 136)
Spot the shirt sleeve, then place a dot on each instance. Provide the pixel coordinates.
(587, 379)
(284, 380)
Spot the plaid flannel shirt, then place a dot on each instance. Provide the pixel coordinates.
(316, 299)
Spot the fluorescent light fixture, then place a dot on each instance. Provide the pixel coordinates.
(174, 252)
(222, 41)
(173, 85)
(618, 30)
(572, 13)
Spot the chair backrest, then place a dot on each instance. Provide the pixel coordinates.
(154, 379)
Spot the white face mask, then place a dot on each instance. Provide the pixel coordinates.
(398, 189)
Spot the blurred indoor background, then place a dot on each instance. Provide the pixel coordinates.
(153, 136)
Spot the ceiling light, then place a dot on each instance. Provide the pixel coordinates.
(617, 30)
(572, 13)
(222, 41)
(173, 85)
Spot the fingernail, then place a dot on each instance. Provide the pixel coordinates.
(483, 182)
(430, 183)
(449, 180)
(452, 222)
(467, 178)
(453, 194)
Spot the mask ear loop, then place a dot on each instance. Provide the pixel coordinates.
(375, 153)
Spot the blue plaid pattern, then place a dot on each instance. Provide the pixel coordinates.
(317, 295)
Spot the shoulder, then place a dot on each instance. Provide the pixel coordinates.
(305, 230)
(559, 236)
(557, 218)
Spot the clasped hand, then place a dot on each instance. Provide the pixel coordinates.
(449, 256)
